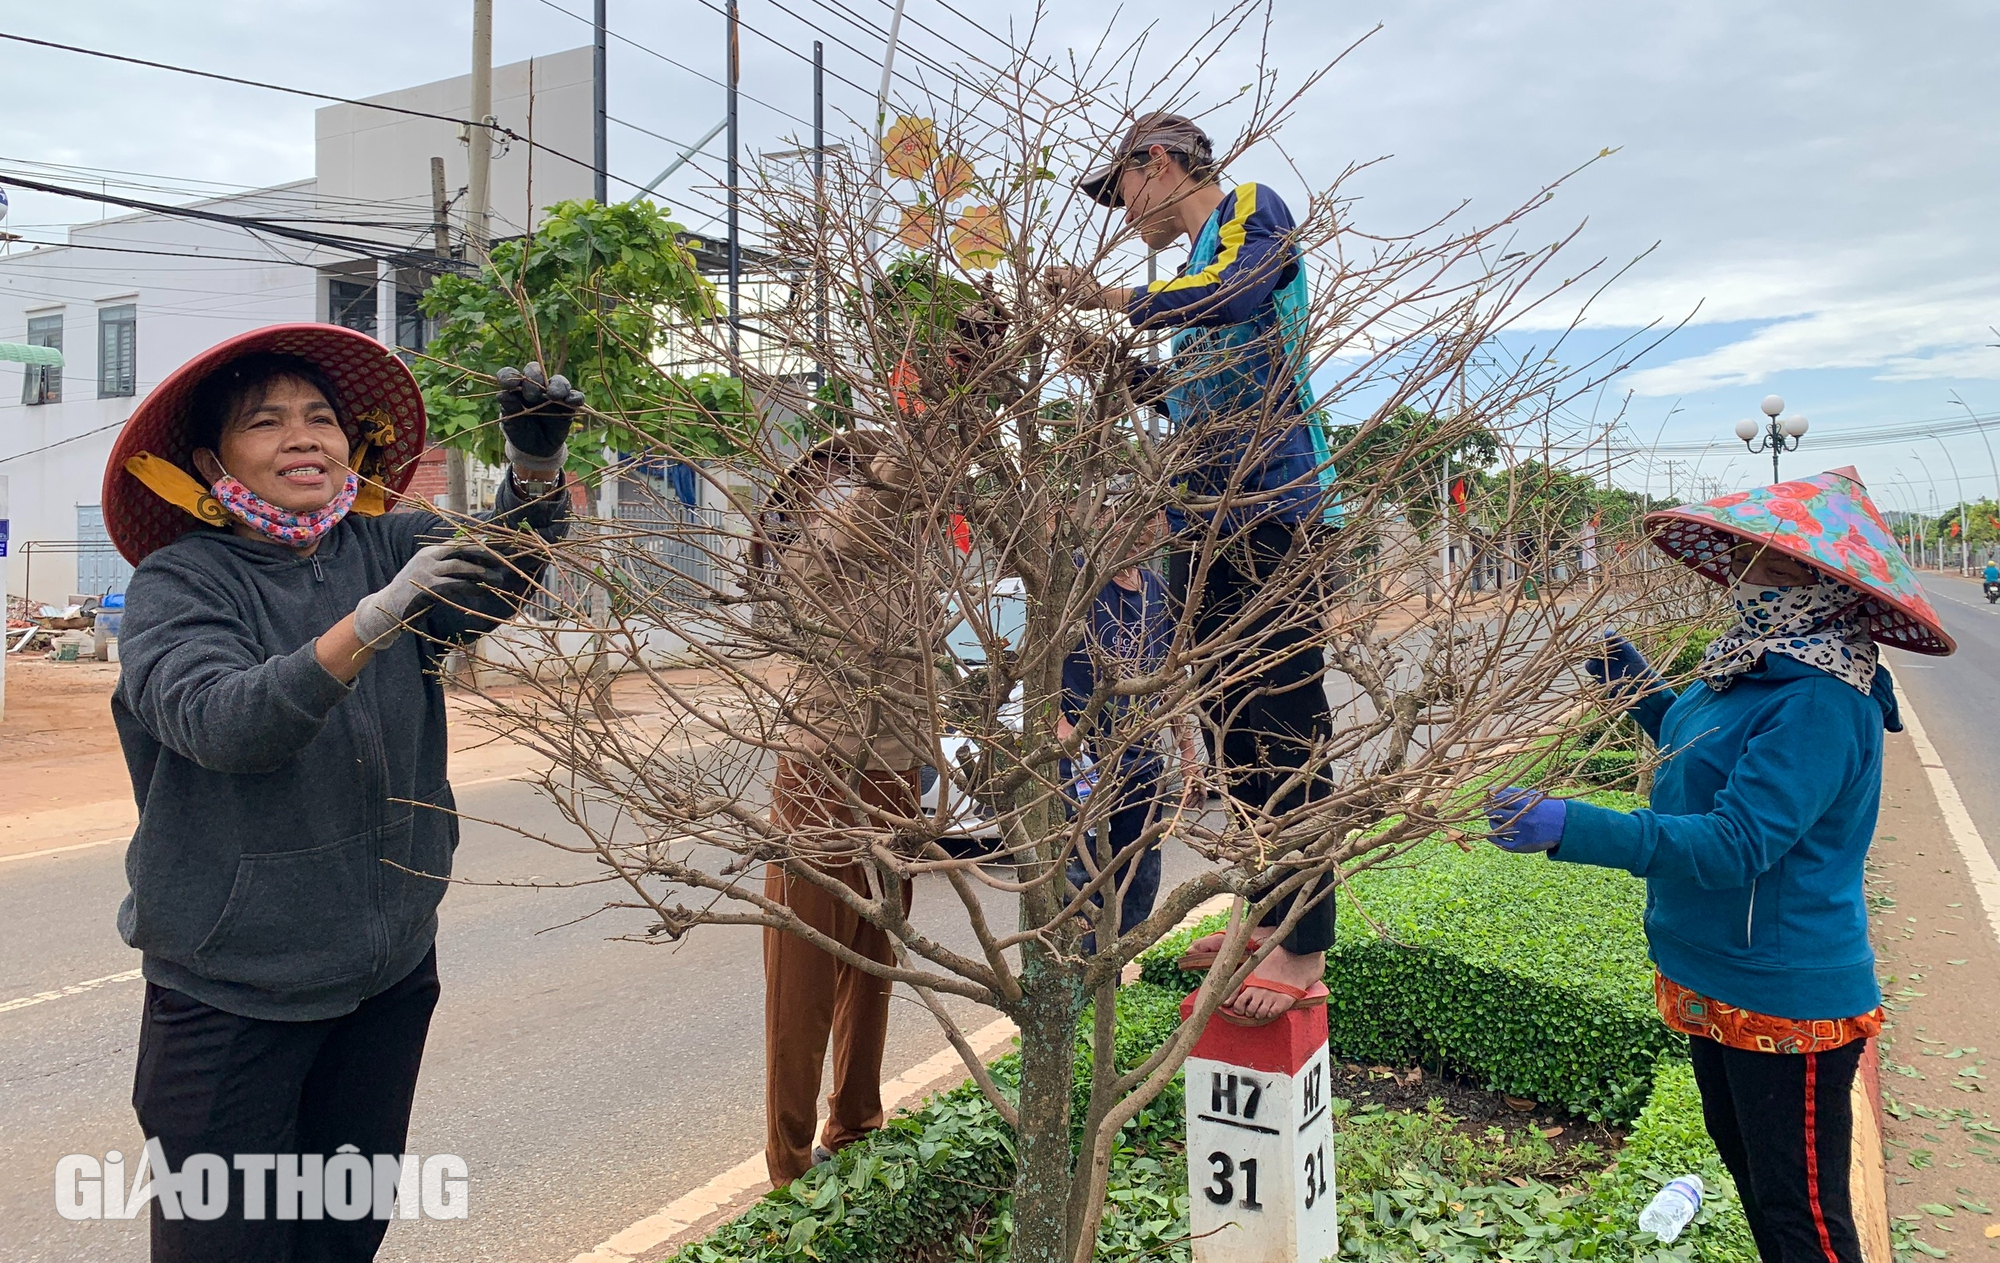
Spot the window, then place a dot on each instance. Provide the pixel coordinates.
(412, 329)
(43, 383)
(117, 351)
(351, 304)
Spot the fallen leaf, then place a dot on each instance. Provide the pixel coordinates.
(1520, 1105)
(1415, 1076)
(1993, 1230)
(1552, 1132)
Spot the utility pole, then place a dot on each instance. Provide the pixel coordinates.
(479, 137)
(479, 200)
(735, 245)
(819, 198)
(454, 460)
(599, 139)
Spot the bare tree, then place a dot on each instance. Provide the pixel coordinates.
(999, 442)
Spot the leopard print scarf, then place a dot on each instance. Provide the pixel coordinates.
(1815, 624)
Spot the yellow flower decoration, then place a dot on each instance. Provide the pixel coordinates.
(919, 227)
(910, 147)
(979, 237)
(951, 177)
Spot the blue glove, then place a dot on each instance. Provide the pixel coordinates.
(1620, 667)
(1524, 821)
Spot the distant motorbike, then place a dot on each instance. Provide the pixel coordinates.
(1992, 590)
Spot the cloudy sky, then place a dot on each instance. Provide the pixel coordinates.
(1817, 183)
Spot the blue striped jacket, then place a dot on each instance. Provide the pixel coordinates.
(1238, 378)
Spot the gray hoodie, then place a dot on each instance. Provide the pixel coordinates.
(279, 807)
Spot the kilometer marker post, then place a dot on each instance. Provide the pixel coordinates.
(1260, 1141)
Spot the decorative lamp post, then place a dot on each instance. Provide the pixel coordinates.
(1777, 436)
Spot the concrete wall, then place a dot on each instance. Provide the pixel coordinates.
(367, 158)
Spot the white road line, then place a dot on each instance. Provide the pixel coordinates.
(58, 850)
(678, 1216)
(123, 838)
(75, 988)
(685, 1212)
(1979, 865)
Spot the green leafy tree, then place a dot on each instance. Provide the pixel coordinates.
(1405, 457)
(589, 295)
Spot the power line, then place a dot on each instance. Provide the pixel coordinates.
(171, 254)
(34, 451)
(366, 249)
(654, 52)
(495, 128)
(192, 187)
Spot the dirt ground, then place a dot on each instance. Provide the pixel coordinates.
(1940, 971)
(65, 784)
(1476, 1108)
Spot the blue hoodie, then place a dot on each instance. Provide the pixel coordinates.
(1762, 812)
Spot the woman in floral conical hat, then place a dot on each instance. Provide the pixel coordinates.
(1761, 815)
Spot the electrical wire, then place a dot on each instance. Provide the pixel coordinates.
(653, 52)
(36, 451)
(171, 254)
(496, 129)
(363, 248)
(190, 187)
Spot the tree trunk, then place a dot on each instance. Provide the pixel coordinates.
(1047, 1019)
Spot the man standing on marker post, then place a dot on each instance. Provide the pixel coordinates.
(1237, 385)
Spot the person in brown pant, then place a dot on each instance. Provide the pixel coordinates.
(851, 771)
(810, 995)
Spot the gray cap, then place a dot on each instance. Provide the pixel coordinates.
(1175, 133)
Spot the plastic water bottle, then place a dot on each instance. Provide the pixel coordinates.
(1086, 778)
(1672, 1208)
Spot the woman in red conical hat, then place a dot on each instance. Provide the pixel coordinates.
(281, 714)
(1752, 847)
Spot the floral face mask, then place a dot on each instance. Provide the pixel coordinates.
(282, 525)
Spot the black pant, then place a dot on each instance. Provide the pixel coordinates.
(214, 1082)
(1138, 809)
(1783, 1123)
(1264, 722)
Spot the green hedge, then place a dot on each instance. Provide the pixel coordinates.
(1526, 974)
(938, 1178)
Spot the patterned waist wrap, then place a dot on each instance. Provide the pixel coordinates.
(1692, 1013)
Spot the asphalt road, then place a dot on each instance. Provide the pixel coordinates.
(586, 1083)
(1958, 698)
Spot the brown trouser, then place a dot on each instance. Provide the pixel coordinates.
(809, 994)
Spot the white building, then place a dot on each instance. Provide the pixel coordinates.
(129, 299)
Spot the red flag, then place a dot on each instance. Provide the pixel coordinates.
(1458, 493)
(961, 533)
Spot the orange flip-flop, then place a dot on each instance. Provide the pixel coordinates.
(1200, 960)
(1313, 997)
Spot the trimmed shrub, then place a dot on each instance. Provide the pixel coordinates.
(1528, 975)
(939, 1178)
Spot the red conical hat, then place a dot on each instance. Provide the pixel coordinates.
(1827, 522)
(374, 387)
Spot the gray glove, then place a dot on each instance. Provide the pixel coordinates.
(452, 573)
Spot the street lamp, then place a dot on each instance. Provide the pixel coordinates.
(1778, 436)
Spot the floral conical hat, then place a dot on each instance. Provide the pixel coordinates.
(1826, 521)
